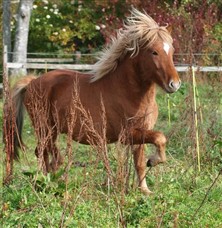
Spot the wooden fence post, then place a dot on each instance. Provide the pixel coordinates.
(8, 122)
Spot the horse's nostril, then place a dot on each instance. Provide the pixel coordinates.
(171, 84)
(174, 85)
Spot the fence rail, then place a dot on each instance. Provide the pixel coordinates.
(85, 67)
(200, 68)
(49, 66)
(50, 60)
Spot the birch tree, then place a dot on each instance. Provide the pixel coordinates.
(21, 34)
(6, 27)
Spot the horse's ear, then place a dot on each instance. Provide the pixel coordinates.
(169, 28)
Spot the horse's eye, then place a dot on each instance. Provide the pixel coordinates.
(154, 53)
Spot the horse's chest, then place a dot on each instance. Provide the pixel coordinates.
(145, 117)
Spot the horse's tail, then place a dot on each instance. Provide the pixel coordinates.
(18, 93)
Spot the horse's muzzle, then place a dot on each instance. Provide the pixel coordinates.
(174, 86)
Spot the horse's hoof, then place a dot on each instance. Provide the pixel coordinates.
(146, 191)
(153, 160)
(149, 163)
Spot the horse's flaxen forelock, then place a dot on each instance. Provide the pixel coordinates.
(139, 30)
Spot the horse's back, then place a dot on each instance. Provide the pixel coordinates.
(60, 96)
(60, 78)
(57, 83)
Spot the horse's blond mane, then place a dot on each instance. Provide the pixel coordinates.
(139, 30)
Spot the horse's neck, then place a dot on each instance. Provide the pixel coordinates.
(127, 75)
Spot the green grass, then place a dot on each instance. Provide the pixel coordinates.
(82, 197)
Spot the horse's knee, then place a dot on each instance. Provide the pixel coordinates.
(160, 139)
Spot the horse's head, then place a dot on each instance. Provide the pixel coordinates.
(149, 44)
(156, 64)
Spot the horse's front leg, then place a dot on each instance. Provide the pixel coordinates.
(140, 166)
(157, 138)
(160, 155)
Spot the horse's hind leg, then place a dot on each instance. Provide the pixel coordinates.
(140, 166)
(43, 158)
(43, 152)
(57, 159)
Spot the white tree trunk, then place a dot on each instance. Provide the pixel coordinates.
(21, 35)
(7, 26)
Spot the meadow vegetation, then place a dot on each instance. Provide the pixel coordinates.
(81, 193)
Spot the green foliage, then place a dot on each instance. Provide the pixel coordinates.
(55, 26)
(70, 25)
(176, 203)
(217, 31)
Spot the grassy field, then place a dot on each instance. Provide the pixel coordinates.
(81, 195)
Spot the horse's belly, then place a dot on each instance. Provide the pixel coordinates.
(90, 133)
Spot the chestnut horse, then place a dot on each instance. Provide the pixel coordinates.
(124, 79)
